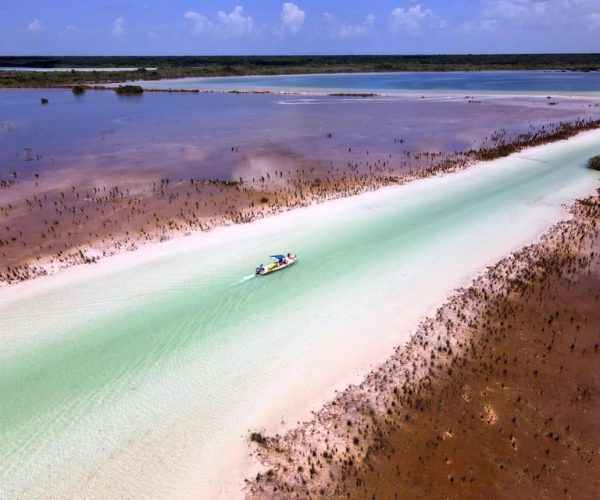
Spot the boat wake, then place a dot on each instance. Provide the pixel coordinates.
(245, 278)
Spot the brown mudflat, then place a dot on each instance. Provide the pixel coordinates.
(498, 396)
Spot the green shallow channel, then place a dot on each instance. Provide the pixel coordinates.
(113, 360)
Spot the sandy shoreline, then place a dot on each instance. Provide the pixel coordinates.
(370, 93)
(401, 432)
(204, 86)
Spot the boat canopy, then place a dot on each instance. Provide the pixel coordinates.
(278, 257)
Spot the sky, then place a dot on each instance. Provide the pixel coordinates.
(214, 27)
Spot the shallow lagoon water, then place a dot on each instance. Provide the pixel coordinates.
(141, 376)
(192, 135)
(400, 82)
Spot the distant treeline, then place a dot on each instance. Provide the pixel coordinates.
(186, 66)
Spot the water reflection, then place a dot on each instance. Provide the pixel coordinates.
(219, 136)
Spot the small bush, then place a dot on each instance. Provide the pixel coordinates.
(594, 163)
(129, 89)
(78, 89)
(257, 437)
(43, 100)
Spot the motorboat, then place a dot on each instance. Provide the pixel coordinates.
(280, 262)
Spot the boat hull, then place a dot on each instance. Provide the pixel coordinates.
(268, 269)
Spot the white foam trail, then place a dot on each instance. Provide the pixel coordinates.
(245, 278)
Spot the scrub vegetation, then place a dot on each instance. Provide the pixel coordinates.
(194, 66)
(594, 163)
(129, 89)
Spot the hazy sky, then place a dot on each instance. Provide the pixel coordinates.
(90, 27)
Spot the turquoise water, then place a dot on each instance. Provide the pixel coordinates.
(141, 376)
(459, 81)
